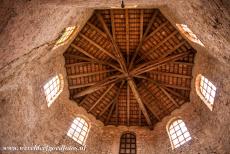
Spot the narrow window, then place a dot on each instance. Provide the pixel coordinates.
(128, 143)
(65, 35)
(79, 130)
(206, 91)
(53, 88)
(178, 133)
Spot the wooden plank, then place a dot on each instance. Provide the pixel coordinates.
(97, 29)
(99, 85)
(78, 64)
(82, 85)
(162, 84)
(148, 66)
(139, 116)
(82, 51)
(92, 60)
(128, 104)
(143, 37)
(112, 24)
(156, 30)
(89, 73)
(157, 46)
(170, 97)
(127, 33)
(141, 24)
(115, 103)
(119, 55)
(176, 94)
(97, 45)
(101, 97)
(139, 101)
(171, 74)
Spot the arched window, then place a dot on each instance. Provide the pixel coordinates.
(53, 88)
(128, 143)
(178, 133)
(205, 90)
(79, 130)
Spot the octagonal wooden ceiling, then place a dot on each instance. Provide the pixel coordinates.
(129, 67)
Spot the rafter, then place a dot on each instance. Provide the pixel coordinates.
(98, 46)
(127, 34)
(97, 29)
(82, 51)
(143, 37)
(92, 61)
(155, 64)
(82, 85)
(176, 93)
(170, 97)
(99, 85)
(119, 55)
(162, 84)
(171, 74)
(101, 97)
(112, 24)
(139, 101)
(128, 104)
(115, 102)
(157, 46)
(156, 30)
(90, 73)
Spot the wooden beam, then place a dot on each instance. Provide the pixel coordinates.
(156, 30)
(141, 24)
(82, 85)
(139, 101)
(176, 94)
(139, 116)
(112, 24)
(97, 45)
(162, 84)
(183, 63)
(101, 97)
(143, 37)
(153, 112)
(170, 97)
(97, 29)
(127, 33)
(115, 102)
(157, 46)
(128, 104)
(82, 51)
(92, 61)
(78, 64)
(119, 55)
(89, 73)
(171, 74)
(99, 85)
(155, 64)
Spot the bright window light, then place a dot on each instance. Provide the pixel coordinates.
(78, 130)
(206, 90)
(178, 133)
(189, 34)
(66, 35)
(53, 88)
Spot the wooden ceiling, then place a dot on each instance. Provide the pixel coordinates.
(129, 67)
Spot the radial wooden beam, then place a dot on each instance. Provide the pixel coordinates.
(127, 33)
(162, 84)
(119, 55)
(92, 61)
(90, 73)
(171, 74)
(139, 101)
(115, 103)
(156, 30)
(128, 104)
(112, 24)
(143, 37)
(82, 51)
(155, 64)
(98, 46)
(176, 94)
(157, 46)
(170, 97)
(101, 97)
(99, 85)
(97, 29)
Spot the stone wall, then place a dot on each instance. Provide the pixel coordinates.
(28, 31)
